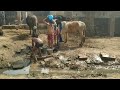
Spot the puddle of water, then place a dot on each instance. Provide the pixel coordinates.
(17, 72)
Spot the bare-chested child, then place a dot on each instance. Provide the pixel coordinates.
(36, 44)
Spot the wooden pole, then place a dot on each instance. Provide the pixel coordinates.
(26, 14)
(19, 16)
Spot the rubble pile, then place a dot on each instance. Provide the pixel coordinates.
(62, 61)
(78, 62)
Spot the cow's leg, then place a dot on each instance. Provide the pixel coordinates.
(66, 36)
(82, 39)
(34, 31)
(30, 30)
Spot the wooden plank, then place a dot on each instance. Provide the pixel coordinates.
(43, 57)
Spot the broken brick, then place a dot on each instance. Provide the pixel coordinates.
(82, 57)
(106, 57)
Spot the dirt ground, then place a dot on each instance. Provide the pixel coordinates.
(11, 42)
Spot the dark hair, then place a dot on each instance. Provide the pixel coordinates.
(35, 35)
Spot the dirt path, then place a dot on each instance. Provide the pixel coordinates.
(11, 42)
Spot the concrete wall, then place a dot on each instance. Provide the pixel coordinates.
(87, 16)
(111, 15)
(57, 12)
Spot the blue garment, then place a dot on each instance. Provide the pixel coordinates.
(60, 38)
(58, 17)
(50, 17)
(60, 26)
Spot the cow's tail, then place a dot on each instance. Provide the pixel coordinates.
(84, 32)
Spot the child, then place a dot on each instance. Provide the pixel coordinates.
(59, 25)
(36, 44)
(50, 26)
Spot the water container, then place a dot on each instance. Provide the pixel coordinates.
(49, 51)
(44, 50)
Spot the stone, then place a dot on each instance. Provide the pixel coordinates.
(73, 65)
(82, 57)
(81, 65)
(42, 63)
(48, 61)
(72, 58)
(55, 64)
(62, 58)
(95, 59)
(19, 66)
(106, 57)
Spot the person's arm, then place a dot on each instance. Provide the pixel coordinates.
(45, 21)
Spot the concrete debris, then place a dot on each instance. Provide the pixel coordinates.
(82, 57)
(72, 58)
(81, 63)
(94, 59)
(55, 64)
(20, 64)
(48, 61)
(62, 58)
(42, 63)
(97, 59)
(106, 57)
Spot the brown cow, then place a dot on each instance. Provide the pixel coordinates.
(74, 27)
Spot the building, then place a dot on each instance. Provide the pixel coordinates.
(99, 23)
